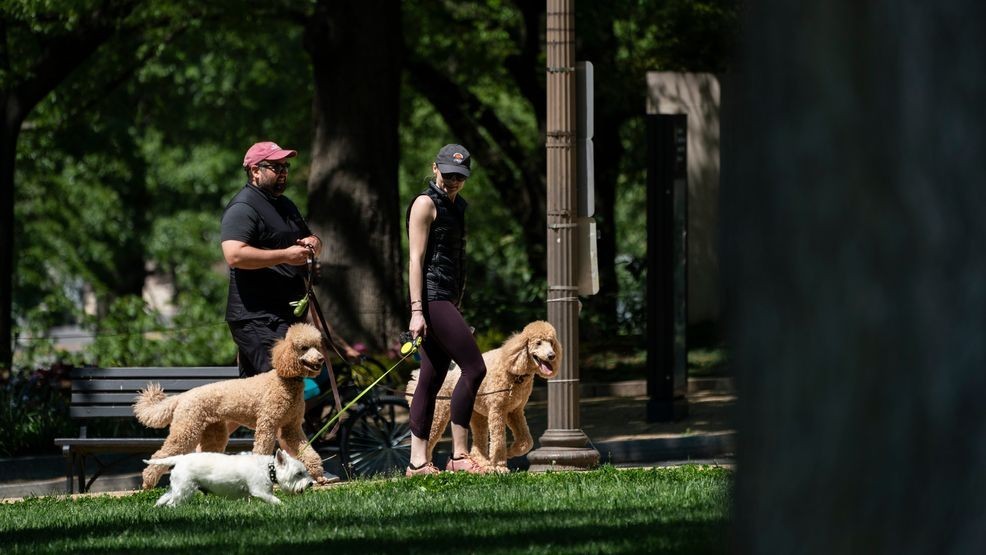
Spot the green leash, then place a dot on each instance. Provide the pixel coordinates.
(407, 349)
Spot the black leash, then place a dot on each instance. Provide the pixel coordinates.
(518, 380)
(319, 320)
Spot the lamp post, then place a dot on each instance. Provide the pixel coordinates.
(564, 444)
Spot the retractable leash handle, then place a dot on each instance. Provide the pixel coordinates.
(408, 345)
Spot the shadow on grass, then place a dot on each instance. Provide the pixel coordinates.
(640, 530)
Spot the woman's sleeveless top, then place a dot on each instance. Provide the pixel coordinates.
(444, 260)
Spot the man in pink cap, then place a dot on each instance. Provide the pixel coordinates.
(266, 244)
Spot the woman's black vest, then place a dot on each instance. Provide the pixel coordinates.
(445, 256)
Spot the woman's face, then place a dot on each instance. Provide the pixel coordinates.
(451, 183)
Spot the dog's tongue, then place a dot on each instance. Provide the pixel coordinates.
(312, 367)
(546, 368)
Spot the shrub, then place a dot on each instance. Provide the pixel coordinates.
(33, 410)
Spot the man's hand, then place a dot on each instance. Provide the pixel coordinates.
(297, 255)
(312, 241)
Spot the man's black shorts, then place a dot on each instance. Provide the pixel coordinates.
(254, 340)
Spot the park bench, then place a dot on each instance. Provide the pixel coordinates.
(107, 394)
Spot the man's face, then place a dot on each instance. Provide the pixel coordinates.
(271, 176)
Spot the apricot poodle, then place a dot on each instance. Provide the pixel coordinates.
(271, 403)
(510, 372)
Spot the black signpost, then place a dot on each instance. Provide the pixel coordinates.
(667, 272)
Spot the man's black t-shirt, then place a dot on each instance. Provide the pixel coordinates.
(264, 222)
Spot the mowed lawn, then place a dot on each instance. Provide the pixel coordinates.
(680, 510)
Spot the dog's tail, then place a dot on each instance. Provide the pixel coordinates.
(153, 408)
(167, 461)
(412, 384)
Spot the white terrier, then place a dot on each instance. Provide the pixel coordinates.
(240, 475)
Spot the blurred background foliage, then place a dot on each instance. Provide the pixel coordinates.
(124, 168)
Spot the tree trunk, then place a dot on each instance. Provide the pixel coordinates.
(856, 301)
(353, 196)
(12, 119)
(20, 93)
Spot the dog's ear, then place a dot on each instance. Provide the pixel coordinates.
(556, 345)
(279, 456)
(285, 360)
(552, 337)
(516, 355)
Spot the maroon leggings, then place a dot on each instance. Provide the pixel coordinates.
(447, 338)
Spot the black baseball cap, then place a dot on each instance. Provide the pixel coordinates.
(453, 159)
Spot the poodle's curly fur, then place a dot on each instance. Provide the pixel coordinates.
(271, 403)
(510, 372)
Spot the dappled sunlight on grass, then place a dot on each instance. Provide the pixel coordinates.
(677, 509)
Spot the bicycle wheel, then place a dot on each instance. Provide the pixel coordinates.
(368, 369)
(377, 439)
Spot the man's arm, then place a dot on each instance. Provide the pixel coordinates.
(244, 257)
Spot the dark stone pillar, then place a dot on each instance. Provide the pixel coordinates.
(853, 249)
(667, 272)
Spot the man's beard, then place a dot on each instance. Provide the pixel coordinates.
(276, 187)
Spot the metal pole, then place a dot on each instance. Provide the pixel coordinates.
(563, 445)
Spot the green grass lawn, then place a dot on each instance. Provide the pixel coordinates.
(677, 510)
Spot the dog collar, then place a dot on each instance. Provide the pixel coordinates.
(271, 473)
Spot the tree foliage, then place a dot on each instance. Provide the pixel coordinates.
(122, 179)
(124, 165)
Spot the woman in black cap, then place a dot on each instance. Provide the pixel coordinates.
(437, 237)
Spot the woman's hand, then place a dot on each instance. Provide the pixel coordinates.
(417, 327)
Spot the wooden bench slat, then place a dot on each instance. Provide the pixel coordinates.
(135, 441)
(131, 440)
(100, 412)
(135, 444)
(97, 398)
(216, 372)
(125, 386)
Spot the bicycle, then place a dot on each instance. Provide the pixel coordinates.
(374, 436)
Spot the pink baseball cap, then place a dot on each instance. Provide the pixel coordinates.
(266, 150)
